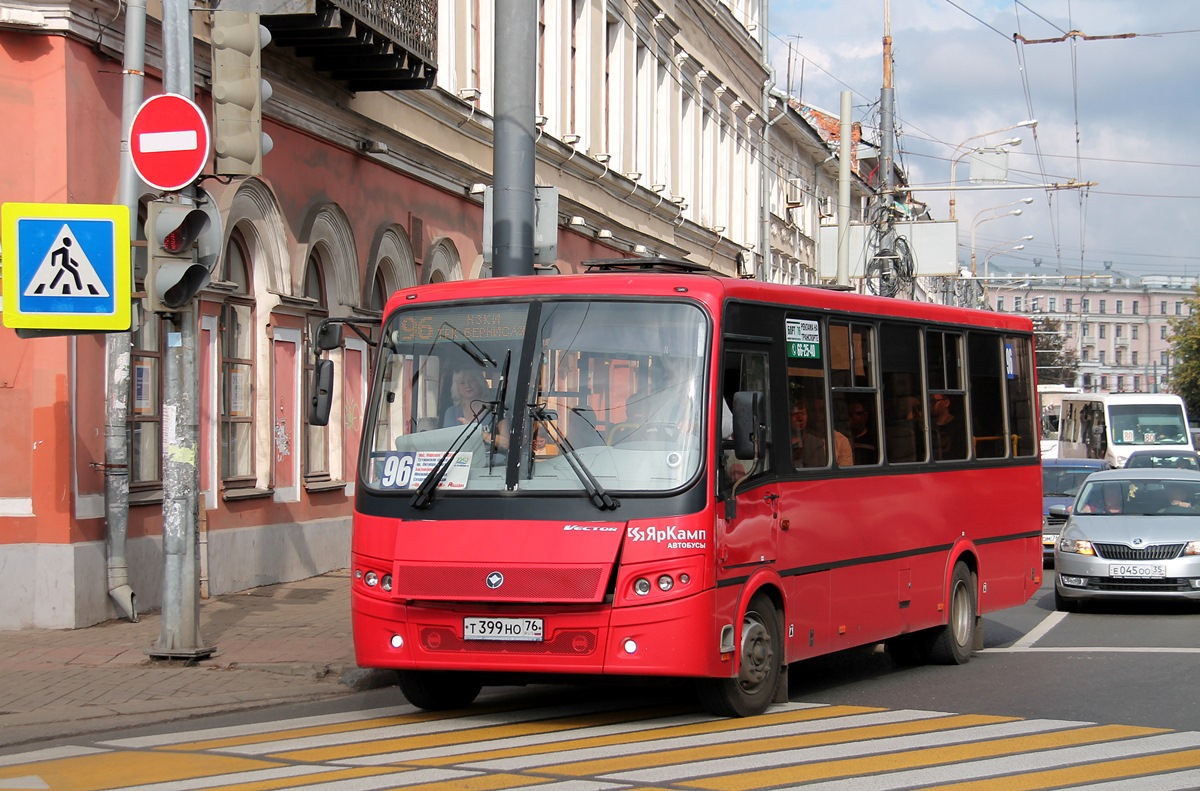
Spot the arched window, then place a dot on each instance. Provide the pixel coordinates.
(237, 369)
(316, 438)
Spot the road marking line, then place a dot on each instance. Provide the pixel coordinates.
(1038, 632)
(1007, 770)
(810, 750)
(512, 754)
(47, 754)
(668, 765)
(874, 765)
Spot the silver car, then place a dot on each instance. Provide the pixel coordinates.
(1132, 533)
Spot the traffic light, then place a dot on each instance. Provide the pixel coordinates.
(238, 92)
(175, 271)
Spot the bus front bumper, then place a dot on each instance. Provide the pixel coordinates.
(675, 638)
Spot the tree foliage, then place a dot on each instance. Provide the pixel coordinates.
(1185, 354)
(1056, 364)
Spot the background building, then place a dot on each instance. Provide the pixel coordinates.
(1117, 325)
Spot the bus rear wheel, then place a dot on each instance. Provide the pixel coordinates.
(435, 690)
(759, 666)
(952, 644)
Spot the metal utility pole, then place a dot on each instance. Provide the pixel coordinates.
(179, 637)
(845, 149)
(513, 156)
(118, 346)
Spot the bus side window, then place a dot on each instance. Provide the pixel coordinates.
(903, 397)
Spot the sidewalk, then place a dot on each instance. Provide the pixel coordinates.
(280, 643)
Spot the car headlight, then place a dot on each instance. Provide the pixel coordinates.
(1192, 548)
(1076, 546)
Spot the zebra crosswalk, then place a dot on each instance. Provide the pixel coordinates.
(605, 745)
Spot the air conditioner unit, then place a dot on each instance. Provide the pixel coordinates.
(825, 206)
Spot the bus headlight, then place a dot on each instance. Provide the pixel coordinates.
(641, 586)
(371, 579)
(665, 583)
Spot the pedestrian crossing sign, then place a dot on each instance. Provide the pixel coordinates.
(66, 266)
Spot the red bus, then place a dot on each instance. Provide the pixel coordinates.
(646, 470)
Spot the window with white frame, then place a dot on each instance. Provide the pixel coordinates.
(145, 404)
(316, 438)
(237, 369)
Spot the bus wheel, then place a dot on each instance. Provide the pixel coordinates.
(953, 642)
(759, 666)
(438, 690)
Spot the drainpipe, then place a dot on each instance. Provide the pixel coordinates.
(118, 345)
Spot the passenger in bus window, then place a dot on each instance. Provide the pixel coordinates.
(467, 389)
(808, 446)
(862, 433)
(949, 433)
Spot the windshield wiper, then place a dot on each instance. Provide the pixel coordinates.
(595, 491)
(425, 492)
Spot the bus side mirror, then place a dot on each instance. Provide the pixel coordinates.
(747, 424)
(329, 336)
(322, 392)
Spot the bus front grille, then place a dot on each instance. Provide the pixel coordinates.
(499, 583)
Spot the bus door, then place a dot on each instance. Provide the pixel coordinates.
(748, 527)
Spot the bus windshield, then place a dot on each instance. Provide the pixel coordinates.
(555, 396)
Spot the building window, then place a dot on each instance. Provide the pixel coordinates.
(1070, 329)
(1119, 355)
(1137, 382)
(1104, 381)
(1087, 354)
(1053, 304)
(1086, 305)
(1016, 304)
(1104, 306)
(1162, 332)
(1070, 303)
(1135, 308)
(1120, 306)
(1178, 308)
(1000, 304)
(1133, 331)
(1117, 330)
(1103, 331)
(237, 370)
(1133, 360)
(316, 438)
(1162, 307)
(1162, 358)
(1101, 359)
(1120, 383)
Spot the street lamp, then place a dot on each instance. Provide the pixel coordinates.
(976, 222)
(955, 156)
(995, 251)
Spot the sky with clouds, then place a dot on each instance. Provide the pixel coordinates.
(1123, 113)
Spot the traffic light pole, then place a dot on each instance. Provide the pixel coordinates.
(179, 636)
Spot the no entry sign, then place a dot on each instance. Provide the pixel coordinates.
(169, 141)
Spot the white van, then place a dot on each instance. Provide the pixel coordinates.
(1112, 425)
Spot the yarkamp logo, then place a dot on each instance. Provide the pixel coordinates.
(591, 528)
(494, 580)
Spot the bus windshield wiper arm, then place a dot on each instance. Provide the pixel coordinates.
(425, 492)
(595, 491)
